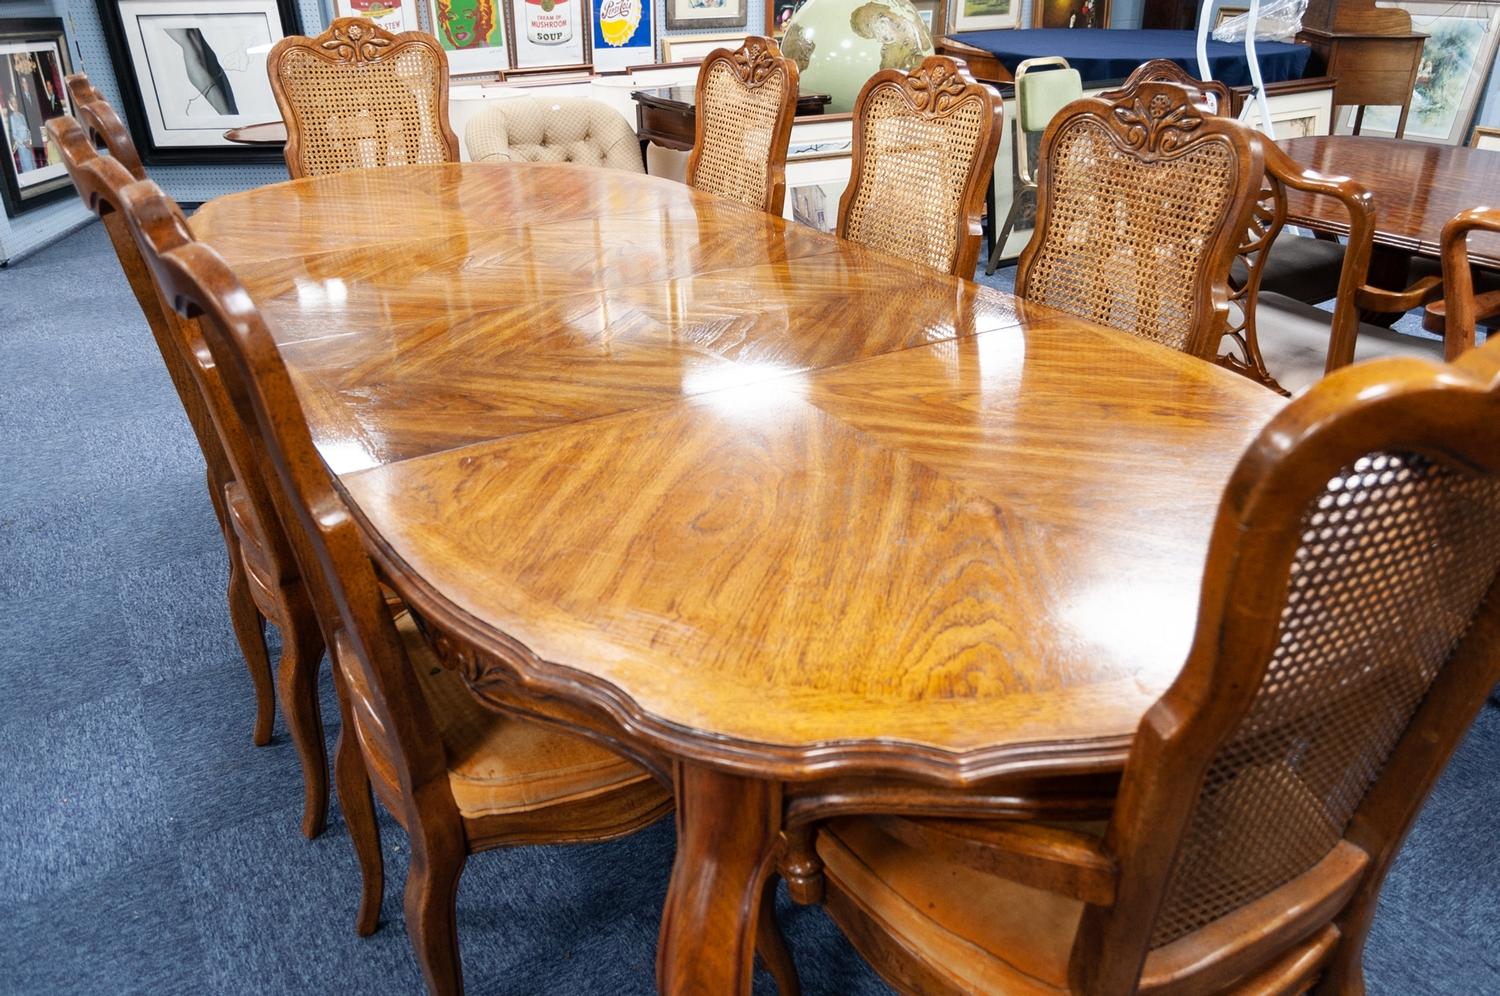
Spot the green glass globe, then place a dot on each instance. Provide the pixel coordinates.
(839, 44)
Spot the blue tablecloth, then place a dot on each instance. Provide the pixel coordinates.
(1113, 54)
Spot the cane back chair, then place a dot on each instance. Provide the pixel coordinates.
(263, 580)
(456, 776)
(745, 103)
(1348, 633)
(358, 97)
(102, 124)
(924, 149)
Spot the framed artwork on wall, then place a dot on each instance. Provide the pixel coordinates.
(623, 35)
(189, 70)
(984, 15)
(707, 14)
(1456, 61)
(690, 48)
(33, 62)
(472, 32)
(934, 14)
(394, 16)
(1070, 14)
(778, 13)
(548, 33)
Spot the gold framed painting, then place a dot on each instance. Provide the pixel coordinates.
(984, 15)
(1070, 14)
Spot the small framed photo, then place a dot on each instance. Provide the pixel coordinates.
(934, 14)
(190, 70)
(1485, 138)
(985, 15)
(549, 33)
(394, 16)
(779, 13)
(1225, 13)
(473, 33)
(1070, 14)
(33, 62)
(694, 48)
(707, 14)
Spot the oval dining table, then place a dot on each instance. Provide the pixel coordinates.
(803, 528)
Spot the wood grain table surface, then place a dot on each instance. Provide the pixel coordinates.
(1418, 187)
(768, 511)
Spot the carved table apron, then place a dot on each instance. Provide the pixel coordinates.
(802, 527)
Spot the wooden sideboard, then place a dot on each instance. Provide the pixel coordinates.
(1371, 52)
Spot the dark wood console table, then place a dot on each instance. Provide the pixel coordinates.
(664, 115)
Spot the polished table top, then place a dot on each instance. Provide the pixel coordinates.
(1418, 187)
(761, 496)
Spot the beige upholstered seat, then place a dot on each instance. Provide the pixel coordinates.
(924, 149)
(358, 97)
(558, 130)
(745, 103)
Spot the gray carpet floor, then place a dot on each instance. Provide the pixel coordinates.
(147, 847)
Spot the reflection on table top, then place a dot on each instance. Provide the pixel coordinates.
(743, 483)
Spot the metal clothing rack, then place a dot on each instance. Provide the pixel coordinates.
(1257, 87)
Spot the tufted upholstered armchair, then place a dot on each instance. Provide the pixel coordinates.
(561, 129)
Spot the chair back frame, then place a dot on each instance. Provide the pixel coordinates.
(103, 125)
(936, 91)
(1315, 923)
(756, 64)
(356, 43)
(1214, 94)
(1159, 124)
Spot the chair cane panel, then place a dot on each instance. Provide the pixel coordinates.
(745, 103)
(925, 146)
(1122, 236)
(359, 97)
(1396, 555)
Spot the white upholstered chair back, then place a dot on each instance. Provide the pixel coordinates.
(557, 129)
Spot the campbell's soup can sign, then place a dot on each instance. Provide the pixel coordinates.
(549, 22)
(618, 20)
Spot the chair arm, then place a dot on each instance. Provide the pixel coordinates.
(1458, 282)
(1360, 203)
(1045, 857)
(1426, 290)
(487, 137)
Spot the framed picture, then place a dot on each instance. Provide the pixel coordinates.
(687, 48)
(1294, 115)
(705, 14)
(394, 16)
(33, 62)
(778, 13)
(472, 32)
(548, 33)
(934, 14)
(1070, 14)
(1225, 13)
(1456, 61)
(984, 15)
(623, 35)
(1485, 138)
(189, 70)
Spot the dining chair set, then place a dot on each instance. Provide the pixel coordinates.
(1265, 794)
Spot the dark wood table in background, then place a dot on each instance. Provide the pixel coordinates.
(782, 517)
(664, 114)
(1418, 187)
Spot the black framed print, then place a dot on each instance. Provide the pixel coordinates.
(190, 70)
(33, 62)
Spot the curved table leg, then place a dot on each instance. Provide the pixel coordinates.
(727, 833)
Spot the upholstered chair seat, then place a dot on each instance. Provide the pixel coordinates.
(560, 130)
